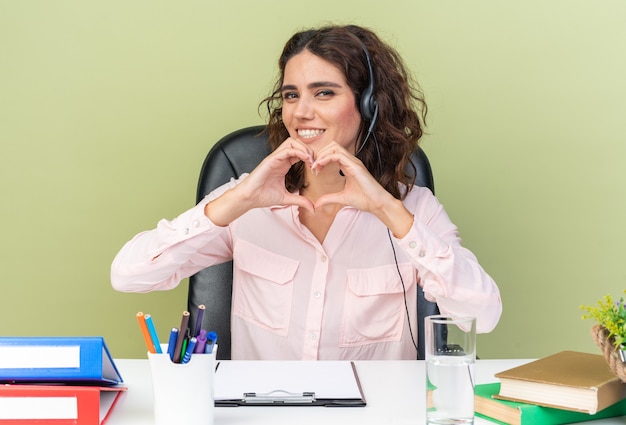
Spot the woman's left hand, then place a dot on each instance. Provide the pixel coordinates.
(361, 190)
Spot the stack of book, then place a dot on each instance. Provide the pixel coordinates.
(57, 380)
(562, 388)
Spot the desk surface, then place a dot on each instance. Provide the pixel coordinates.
(395, 393)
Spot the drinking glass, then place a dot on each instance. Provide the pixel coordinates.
(450, 358)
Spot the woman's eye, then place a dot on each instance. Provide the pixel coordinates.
(289, 95)
(325, 93)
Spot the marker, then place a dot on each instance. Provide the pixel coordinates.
(171, 346)
(211, 340)
(199, 317)
(183, 349)
(153, 333)
(201, 341)
(182, 333)
(144, 330)
(190, 347)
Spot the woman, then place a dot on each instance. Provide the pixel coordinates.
(328, 235)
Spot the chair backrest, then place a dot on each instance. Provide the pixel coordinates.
(237, 153)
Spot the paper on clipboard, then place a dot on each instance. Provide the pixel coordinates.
(325, 383)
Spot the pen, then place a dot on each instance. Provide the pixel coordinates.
(211, 338)
(144, 330)
(190, 347)
(153, 333)
(199, 317)
(183, 349)
(172, 342)
(201, 341)
(182, 333)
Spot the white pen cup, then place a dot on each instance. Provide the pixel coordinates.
(450, 357)
(183, 392)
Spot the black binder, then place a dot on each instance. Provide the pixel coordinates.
(288, 383)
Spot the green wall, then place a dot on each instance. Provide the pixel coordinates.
(107, 109)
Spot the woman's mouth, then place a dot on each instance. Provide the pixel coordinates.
(309, 133)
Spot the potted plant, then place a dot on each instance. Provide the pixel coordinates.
(609, 332)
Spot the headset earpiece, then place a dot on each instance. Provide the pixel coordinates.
(368, 102)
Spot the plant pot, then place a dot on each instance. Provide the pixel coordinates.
(614, 357)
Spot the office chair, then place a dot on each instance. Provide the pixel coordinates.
(237, 153)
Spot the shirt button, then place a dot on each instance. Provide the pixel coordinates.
(196, 223)
(412, 244)
(317, 294)
(324, 258)
(422, 254)
(313, 336)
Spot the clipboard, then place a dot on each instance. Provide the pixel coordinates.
(288, 383)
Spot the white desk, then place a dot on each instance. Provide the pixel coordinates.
(394, 390)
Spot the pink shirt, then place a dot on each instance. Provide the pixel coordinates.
(296, 298)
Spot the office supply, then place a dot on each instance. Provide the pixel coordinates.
(201, 342)
(57, 404)
(292, 383)
(153, 334)
(145, 332)
(183, 393)
(211, 340)
(566, 380)
(57, 359)
(199, 317)
(183, 349)
(189, 350)
(182, 334)
(516, 413)
(171, 345)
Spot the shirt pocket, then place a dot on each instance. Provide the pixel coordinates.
(374, 309)
(263, 287)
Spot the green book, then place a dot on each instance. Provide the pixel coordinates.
(514, 413)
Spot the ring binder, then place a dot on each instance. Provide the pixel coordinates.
(279, 397)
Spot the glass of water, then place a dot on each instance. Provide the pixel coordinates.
(450, 358)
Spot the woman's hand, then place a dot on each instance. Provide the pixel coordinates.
(265, 186)
(361, 190)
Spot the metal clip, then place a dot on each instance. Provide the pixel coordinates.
(279, 397)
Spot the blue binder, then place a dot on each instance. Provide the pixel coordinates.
(84, 360)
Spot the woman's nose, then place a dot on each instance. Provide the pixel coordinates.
(304, 108)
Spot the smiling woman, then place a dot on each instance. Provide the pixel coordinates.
(318, 101)
(391, 105)
(329, 236)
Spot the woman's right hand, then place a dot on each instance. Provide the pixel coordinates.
(264, 187)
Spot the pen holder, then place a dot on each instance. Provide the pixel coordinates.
(183, 393)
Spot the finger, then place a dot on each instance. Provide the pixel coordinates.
(299, 201)
(344, 161)
(330, 198)
(294, 145)
(290, 155)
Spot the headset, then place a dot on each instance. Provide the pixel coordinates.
(368, 106)
(369, 111)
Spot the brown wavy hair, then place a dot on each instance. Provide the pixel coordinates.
(402, 109)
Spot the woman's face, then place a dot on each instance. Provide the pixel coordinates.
(318, 105)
